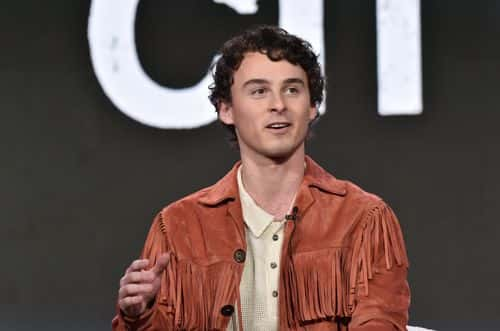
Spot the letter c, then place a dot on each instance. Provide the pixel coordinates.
(118, 70)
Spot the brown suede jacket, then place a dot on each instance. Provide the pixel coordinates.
(344, 266)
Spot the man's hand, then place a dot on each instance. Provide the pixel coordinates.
(138, 286)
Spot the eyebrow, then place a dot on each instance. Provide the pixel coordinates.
(294, 81)
(265, 81)
(256, 81)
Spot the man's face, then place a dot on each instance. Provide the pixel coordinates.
(270, 107)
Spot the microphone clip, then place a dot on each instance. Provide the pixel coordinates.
(293, 216)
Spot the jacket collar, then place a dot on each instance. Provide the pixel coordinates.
(227, 187)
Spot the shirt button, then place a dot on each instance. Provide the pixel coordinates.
(227, 310)
(275, 237)
(273, 265)
(239, 255)
(275, 294)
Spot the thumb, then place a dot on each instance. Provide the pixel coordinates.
(161, 264)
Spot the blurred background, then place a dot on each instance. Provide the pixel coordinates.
(80, 181)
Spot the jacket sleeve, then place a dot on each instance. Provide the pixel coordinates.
(378, 283)
(160, 314)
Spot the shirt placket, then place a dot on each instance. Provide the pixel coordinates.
(273, 241)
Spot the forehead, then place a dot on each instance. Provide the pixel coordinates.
(258, 66)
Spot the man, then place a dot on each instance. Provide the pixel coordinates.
(278, 243)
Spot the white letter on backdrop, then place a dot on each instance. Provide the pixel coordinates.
(399, 57)
(116, 63)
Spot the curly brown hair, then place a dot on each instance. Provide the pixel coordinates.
(278, 45)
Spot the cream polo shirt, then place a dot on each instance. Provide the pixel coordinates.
(260, 279)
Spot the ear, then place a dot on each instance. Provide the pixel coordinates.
(313, 112)
(226, 113)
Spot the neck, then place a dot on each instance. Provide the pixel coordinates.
(273, 183)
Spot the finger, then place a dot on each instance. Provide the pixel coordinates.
(128, 302)
(138, 265)
(161, 264)
(131, 290)
(137, 277)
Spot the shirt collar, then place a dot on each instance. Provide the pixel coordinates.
(314, 176)
(256, 218)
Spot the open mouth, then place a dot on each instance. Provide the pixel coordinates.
(278, 125)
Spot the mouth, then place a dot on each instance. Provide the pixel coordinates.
(278, 125)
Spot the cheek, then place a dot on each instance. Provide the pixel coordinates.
(243, 119)
(247, 112)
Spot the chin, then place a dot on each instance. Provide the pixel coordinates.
(280, 153)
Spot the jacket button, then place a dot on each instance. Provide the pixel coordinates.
(239, 255)
(227, 310)
(275, 237)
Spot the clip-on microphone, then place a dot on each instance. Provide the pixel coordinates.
(293, 215)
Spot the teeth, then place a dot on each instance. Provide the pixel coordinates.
(278, 125)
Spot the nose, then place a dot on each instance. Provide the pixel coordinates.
(276, 103)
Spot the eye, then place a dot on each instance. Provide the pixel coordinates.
(292, 90)
(258, 91)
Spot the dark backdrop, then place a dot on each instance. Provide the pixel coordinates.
(80, 182)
